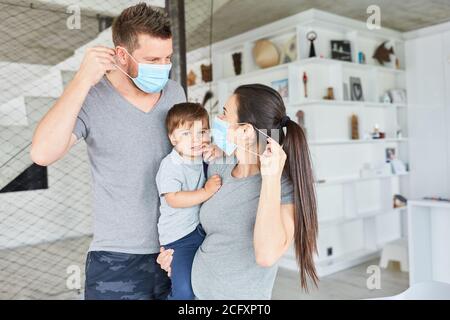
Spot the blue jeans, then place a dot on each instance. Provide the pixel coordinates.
(183, 256)
(123, 276)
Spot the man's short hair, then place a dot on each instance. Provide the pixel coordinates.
(140, 19)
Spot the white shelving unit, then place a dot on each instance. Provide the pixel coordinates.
(356, 214)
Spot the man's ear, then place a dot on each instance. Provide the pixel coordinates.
(121, 55)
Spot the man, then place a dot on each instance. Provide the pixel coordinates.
(117, 102)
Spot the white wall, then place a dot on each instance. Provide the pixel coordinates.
(428, 85)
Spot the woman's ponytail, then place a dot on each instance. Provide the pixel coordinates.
(299, 168)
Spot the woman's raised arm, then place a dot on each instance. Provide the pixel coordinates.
(274, 226)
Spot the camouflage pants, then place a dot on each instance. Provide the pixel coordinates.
(123, 276)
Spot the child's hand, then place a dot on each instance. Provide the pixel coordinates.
(211, 152)
(213, 184)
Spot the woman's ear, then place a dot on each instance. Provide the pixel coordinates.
(249, 133)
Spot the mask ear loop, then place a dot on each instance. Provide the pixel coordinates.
(120, 69)
(247, 150)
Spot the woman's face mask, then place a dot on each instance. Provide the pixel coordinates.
(220, 134)
(151, 78)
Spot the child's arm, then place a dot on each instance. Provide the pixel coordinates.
(186, 199)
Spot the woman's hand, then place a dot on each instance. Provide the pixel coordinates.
(273, 159)
(164, 259)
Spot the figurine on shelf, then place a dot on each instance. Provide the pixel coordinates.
(383, 54)
(311, 36)
(330, 94)
(300, 118)
(386, 98)
(399, 201)
(354, 126)
(206, 72)
(237, 62)
(377, 134)
(191, 78)
(305, 84)
(361, 57)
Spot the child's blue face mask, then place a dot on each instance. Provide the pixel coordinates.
(220, 130)
(151, 78)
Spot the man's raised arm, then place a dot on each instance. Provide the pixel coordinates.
(53, 136)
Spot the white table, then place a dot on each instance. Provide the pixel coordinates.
(429, 241)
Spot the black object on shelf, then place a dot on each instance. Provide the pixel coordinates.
(32, 178)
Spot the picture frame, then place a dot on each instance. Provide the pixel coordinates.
(356, 89)
(282, 86)
(341, 50)
(397, 95)
(390, 154)
(398, 167)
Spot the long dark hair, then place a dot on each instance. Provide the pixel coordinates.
(263, 107)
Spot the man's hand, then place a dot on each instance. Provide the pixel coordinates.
(213, 184)
(96, 61)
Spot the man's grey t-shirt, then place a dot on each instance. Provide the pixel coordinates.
(178, 174)
(225, 265)
(125, 147)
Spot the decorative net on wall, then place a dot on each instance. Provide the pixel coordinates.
(45, 212)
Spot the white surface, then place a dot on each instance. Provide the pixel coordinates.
(428, 85)
(395, 251)
(429, 254)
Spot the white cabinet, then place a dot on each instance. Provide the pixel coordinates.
(429, 253)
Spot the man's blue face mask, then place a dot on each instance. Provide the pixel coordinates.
(151, 78)
(220, 130)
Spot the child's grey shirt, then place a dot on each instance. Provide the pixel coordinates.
(178, 174)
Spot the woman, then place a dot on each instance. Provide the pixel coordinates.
(266, 202)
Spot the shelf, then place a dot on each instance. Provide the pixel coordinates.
(255, 73)
(323, 61)
(345, 103)
(202, 85)
(360, 141)
(356, 179)
(359, 216)
(346, 64)
(353, 236)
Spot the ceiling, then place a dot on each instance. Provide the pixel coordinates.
(236, 16)
(35, 31)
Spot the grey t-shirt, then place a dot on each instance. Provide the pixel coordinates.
(224, 266)
(178, 174)
(125, 147)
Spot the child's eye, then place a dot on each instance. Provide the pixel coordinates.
(185, 134)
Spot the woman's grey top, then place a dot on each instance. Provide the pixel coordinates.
(224, 266)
